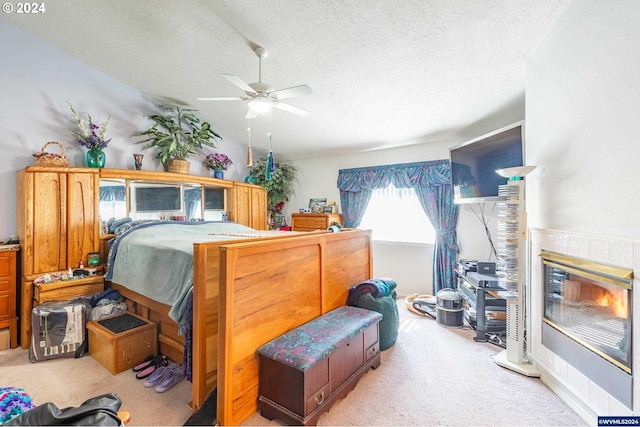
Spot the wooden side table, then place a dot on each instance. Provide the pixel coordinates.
(8, 284)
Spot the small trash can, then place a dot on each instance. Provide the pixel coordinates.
(449, 310)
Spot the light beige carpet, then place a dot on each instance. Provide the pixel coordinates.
(69, 382)
(432, 376)
(440, 376)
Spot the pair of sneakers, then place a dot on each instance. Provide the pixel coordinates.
(165, 377)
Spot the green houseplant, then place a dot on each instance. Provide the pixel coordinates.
(278, 188)
(177, 134)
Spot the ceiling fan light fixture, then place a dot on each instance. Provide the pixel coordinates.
(260, 105)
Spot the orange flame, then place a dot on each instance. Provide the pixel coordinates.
(618, 305)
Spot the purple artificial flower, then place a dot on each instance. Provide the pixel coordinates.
(217, 161)
(91, 135)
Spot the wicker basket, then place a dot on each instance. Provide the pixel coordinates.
(43, 160)
(178, 166)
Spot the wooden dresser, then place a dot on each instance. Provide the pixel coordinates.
(311, 221)
(8, 294)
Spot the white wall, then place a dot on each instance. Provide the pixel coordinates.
(583, 121)
(583, 128)
(36, 80)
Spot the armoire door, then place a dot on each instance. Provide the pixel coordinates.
(83, 223)
(45, 245)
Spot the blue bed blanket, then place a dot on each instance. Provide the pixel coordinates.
(155, 258)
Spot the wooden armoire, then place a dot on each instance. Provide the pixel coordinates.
(57, 225)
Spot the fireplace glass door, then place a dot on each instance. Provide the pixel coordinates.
(591, 306)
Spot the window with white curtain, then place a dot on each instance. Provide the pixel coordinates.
(395, 215)
(113, 209)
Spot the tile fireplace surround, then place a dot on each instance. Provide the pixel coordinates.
(587, 398)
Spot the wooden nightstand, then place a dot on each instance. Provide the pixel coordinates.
(8, 282)
(311, 222)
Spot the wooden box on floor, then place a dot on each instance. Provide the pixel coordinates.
(4, 339)
(119, 351)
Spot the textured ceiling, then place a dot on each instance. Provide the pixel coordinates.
(383, 73)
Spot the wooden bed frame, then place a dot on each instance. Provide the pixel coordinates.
(249, 292)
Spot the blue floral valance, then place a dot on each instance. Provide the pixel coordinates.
(403, 175)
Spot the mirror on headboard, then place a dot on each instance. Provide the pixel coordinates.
(214, 204)
(113, 199)
(153, 200)
(146, 199)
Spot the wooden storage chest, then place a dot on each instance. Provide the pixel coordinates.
(118, 351)
(307, 369)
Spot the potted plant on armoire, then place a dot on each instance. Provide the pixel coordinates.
(178, 134)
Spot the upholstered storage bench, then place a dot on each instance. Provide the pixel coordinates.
(121, 341)
(305, 370)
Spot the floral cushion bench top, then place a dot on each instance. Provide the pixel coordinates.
(302, 347)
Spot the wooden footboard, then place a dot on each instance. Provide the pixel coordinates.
(270, 287)
(206, 303)
(248, 293)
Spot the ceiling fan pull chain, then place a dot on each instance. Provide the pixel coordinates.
(249, 153)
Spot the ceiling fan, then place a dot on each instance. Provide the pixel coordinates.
(260, 96)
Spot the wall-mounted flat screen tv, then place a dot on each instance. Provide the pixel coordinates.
(473, 164)
(157, 198)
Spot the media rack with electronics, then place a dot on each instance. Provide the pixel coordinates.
(484, 310)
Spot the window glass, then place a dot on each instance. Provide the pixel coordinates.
(395, 214)
(113, 209)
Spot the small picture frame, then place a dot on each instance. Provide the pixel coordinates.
(328, 209)
(93, 258)
(317, 205)
(280, 220)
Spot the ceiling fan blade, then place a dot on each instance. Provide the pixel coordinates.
(290, 108)
(251, 114)
(291, 92)
(236, 98)
(239, 82)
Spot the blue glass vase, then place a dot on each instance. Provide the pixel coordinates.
(95, 158)
(218, 173)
